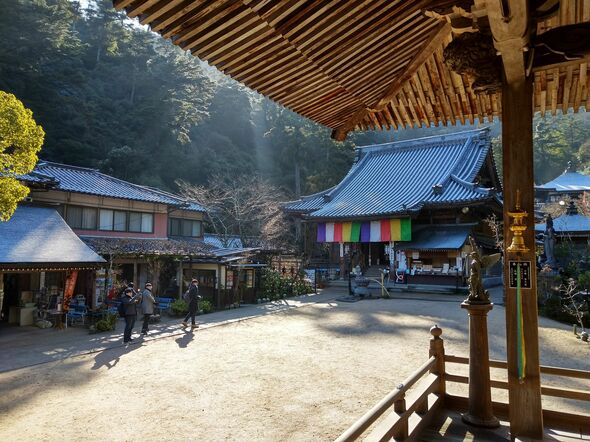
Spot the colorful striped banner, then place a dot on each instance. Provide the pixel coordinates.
(383, 230)
(395, 230)
(346, 232)
(406, 229)
(355, 235)
(375, 231)
(338, 232)
(321, 237)
(365, 231)
(329, 232)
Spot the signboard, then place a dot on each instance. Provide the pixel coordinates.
(310, 274)
(525, 274)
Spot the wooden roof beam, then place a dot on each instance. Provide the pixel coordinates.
(433, 44)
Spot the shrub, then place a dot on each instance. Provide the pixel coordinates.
(179, 307)
(275, 285)
(106, 324)
(206, 306)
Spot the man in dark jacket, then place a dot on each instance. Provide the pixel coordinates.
(193, 304)
(129, 300)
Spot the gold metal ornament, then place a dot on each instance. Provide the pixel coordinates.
(517, 227)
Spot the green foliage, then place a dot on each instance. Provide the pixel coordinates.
(584, 281)
(206, 306)
(107, 324)
(20, 141)
(179, 307)
(276, 286)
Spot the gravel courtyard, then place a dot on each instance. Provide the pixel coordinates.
(300, 375)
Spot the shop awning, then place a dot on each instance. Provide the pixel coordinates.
(38, 237)
(437, 238)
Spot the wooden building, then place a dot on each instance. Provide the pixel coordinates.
(408, 206)
(145, 234)
(570, 184)
(41, 259)
(354, 65)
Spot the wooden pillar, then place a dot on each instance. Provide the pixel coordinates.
(511, 25)
(526, 417)
(179, 278)
(135, 276)
(480, 411)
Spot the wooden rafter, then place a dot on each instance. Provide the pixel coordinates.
(339, 62)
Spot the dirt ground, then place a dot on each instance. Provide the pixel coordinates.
(301, 375)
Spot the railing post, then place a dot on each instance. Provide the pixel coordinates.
(399, 406)
(437, 349)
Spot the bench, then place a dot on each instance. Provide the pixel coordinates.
(164, 303)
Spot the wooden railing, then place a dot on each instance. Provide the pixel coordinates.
(390, 417)
(559, 419)
(395, 423)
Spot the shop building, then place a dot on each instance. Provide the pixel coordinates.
(42, 261)
(408, 206)
(142, 234)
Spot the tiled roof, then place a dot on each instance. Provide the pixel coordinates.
(438, 237)
(232, 242)
(567, 182)
(307, 203)
(403, 177)
(567, 224)
(39, 235)
(91, 181)
(137, 246)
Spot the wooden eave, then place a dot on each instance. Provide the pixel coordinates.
(354, 64)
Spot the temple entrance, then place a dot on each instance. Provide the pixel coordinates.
(377, 254)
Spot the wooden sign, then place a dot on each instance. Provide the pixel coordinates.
(525, 274)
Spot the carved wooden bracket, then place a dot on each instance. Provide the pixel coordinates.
(474, 55)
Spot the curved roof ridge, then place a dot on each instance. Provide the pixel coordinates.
(471, 186)
(42, 163)
(310, 196)
(426, 141)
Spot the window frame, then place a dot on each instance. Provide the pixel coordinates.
(80, 226)
(181, 222)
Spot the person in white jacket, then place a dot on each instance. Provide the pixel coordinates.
(147, 306)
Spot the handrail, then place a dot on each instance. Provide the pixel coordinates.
(381, 407)
(561, 392)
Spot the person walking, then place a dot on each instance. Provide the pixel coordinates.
(193, 304)
(129, 301)
(147, 306)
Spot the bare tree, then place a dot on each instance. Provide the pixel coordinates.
(246, 206)
(573, 302)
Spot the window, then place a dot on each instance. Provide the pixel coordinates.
(120, 221)
(106, 220)
(134, 222)
(81, 217)
(147, 222)
(185, 227)
(113, 220)
(141, 222)
(175, 227)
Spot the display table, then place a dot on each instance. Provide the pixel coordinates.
(21, 315)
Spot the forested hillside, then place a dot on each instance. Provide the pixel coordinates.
(109, 94)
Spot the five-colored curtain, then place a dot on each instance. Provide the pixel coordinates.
(396, 229)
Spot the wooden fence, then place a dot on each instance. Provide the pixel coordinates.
(403, 414)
